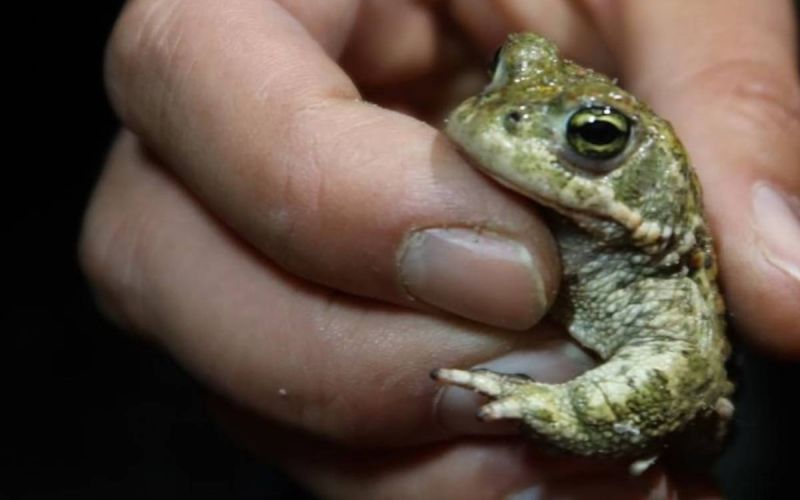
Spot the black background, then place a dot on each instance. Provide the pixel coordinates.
(91, 413)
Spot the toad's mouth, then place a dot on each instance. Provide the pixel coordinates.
(557, 206)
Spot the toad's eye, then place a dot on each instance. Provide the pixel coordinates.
(598, 132)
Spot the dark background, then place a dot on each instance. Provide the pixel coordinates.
(93, 413)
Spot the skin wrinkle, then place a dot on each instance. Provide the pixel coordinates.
(327, 407)
(295, 172)
(170, 56)
(364, 127)
(308, 366)
(739, 68)
(157, 36)
(782, 105)
(108, 258)
(172, 92)
(306, 182)
(294, 84)
(303, 178)
(116, 259)
(748, 82)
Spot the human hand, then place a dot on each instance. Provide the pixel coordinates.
(248, 247)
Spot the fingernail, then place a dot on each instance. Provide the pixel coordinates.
(552, 362)
(477, 275)
(777, 218)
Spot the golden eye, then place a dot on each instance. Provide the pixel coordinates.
(598, 132)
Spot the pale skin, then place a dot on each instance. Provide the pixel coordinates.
(243, 246)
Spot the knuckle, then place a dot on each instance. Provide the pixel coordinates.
(109, 270)
(109, 254)
(109, 291)
(763, 98)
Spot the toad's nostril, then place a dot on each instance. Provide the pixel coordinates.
(512, 120)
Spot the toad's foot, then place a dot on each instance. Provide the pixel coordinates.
(576, 416)
(515, 396)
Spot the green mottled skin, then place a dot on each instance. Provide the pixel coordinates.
(639, 285)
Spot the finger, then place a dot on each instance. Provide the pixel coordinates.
(476, 468)
(391, 42)
(251, 113)
(311, 358)
(731, 90)
(564, 22)
(497, 469)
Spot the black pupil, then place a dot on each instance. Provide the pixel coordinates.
(599, 133)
